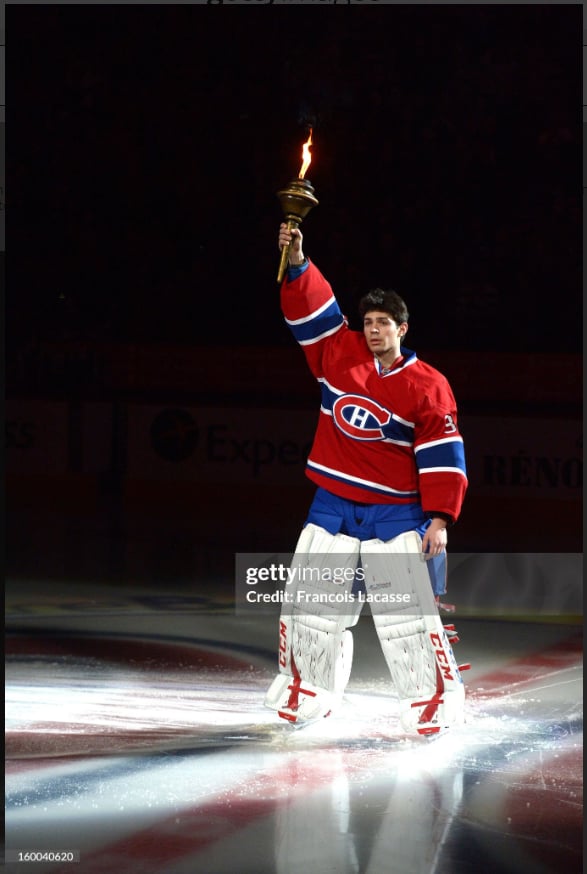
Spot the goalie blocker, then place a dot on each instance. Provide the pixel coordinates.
(316, 645)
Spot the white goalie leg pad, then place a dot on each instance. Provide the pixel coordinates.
(315, 649)
(415, 645)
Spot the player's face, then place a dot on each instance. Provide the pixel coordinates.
(382, 333)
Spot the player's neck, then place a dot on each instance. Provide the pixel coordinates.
(390, 359)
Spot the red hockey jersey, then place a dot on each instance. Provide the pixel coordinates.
(380, 439)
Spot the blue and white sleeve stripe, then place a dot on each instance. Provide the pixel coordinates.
(321, 323)
(447, 454)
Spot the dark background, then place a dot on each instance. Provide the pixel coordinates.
(145, 148)
(146, 145)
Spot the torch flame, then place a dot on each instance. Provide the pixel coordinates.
(307, 158)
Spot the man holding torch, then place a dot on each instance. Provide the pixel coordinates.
(388, 462)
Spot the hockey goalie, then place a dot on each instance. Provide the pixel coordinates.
(389, 465)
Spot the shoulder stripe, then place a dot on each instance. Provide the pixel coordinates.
(321, 336)
(405, 422)
(314, 314)
(330, 387)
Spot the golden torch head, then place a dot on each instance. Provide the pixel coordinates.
(296, 202)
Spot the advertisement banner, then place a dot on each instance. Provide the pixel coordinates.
(218, 445)
(528, 457)
(520, 456)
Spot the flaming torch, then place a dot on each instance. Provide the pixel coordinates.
(296, 202)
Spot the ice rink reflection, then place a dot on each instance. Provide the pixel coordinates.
(148, 750)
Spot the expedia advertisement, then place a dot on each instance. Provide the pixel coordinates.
(218, 445)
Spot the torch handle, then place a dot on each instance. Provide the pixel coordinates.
(285, 253)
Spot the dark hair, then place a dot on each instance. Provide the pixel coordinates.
(386, 301)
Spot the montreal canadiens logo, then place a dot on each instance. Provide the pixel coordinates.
(360, 417)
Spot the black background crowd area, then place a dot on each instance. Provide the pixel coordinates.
(146, 146)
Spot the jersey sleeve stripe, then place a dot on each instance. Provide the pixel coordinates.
(331, 302)
(443, 470)
(328, 322)
(322, 336)
(441, 455)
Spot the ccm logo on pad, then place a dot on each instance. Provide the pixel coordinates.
(443, 658)
(282, 644)
(360, 417)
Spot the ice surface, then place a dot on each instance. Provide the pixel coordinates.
(150, 764)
